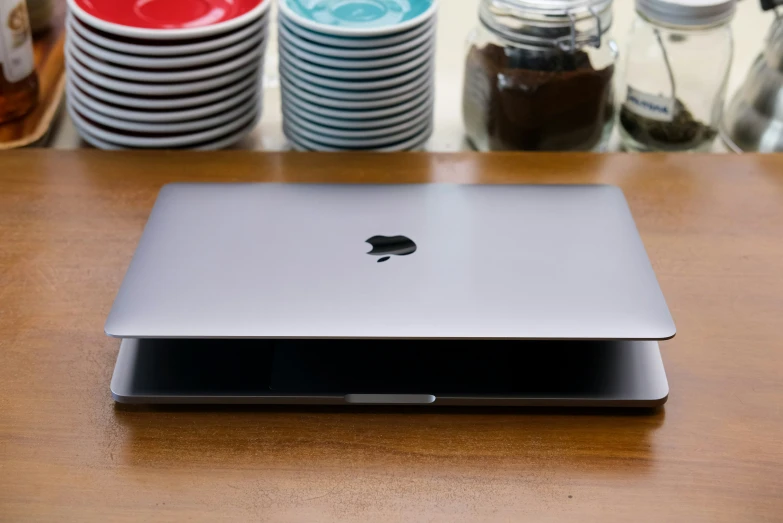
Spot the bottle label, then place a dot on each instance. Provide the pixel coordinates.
(654, 107)
(16, 43)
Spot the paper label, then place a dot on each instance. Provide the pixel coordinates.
(16, 42)
(654, 107)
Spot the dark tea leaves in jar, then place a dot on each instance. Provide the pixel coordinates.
(683, 133)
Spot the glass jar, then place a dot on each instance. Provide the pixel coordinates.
(538, 76)
(18, 79)
(676, 68)
(40, 12)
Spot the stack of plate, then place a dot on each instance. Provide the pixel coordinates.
(165, 75)
(357, 74)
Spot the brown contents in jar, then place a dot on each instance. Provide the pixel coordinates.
(19, 98)
(520, 99)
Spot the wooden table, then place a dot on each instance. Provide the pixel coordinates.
(713, 226)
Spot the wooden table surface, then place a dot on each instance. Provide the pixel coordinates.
(713, 227)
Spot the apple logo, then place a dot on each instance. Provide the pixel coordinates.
(387, 245)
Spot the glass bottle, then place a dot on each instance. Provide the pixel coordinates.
(18, 78)
(676, 69)
(538, 76)
(40, 13)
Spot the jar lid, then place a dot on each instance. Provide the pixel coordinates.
(553, 11)
(567, 24)
(687, 12)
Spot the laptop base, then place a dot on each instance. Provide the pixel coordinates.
(390, 372)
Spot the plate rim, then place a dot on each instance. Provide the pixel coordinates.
(363, 51)
(168, 34)
(427, 100)
(389, 102)
(302, 121)
(424, 137)
(329, 64)
(362, 84)
(357, 31)
(160, 89)
(375, 142)
(164, 77)
(168, 62)
(358, 95)
(218, 42)
(122, 100)
(121, 124)
(183, 140)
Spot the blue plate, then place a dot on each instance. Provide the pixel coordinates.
(358, 17)
(368, 46)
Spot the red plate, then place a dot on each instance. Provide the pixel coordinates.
(167, 14)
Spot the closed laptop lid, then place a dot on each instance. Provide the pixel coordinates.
(390, 261)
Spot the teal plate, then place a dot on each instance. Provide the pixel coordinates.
(358, 17)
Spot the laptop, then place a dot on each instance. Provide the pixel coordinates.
(428, 294)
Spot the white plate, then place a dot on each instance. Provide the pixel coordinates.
(167, 50)
(426, 68)
(251, 82)
(184, 140)
(293, 115)
(156, 116)
(363, 59)
(254, 56)
(369, 126)
(160, 128)
(180, 62)
(388, 103)
(303, 144)
(361, 119)
(355, 69)
(300, 90)
(168, 34)
(333, 141)
(134, 88)
(213, 145)
(96, 142)
(352, 95)
(357, 32)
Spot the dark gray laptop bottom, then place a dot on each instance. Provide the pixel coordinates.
(390, 372)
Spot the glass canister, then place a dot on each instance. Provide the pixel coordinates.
(18, 78)
(538, 76)
(676, 69)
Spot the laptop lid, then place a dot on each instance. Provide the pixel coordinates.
(390, 261)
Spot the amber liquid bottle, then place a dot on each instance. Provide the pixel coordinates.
(18, 79)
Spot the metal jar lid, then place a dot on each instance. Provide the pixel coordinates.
(687, 13)
(567, 24)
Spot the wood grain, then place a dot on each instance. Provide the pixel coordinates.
(50, 64)
(713, 226)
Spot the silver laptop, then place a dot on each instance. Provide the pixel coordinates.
(390, 294)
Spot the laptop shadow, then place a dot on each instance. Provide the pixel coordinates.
(653, 414)
(410, 440)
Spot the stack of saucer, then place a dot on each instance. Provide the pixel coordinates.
(357, 75)
(165, 75)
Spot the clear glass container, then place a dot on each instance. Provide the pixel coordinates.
(674, 86)
(539, 76)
